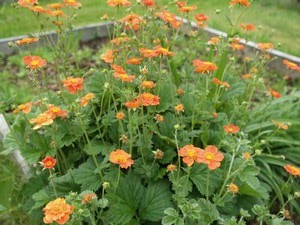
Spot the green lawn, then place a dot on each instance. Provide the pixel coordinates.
(278, 19)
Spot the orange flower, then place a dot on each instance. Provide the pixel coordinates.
(55, 6)
(72, 3)
(115, 3)
(211, 157)
(118, 69)
(248, 27)
(290, 65)
(86, 198)
(56, 13)
(275, 94)
(240, 2)
(236, 46)
(221, 83)
(85, 99)
(132, 21)
(148, 84)
(247, 155)
(179, 108)
(169, 18)
(39, 9)
(148, 99)
(163, 51)
(247, 76)
(293, 170)
(200, 20)
(108, 56)
(25, 108)
(148, 3)
(43, 119)
(171, 167)
(120, 40)
(121, 157)
(120, 115)
(48, 162)
(214, 114)
(73, 84)
(134, 104)
(57, 211)
(233, 188)
(34, 62)
(190, 154)
(134, 61)
(124, 77)
(159, 118)
(214, 41)
(54, 111)
(26, 41)
(231, 129)
(180, 91)
(204, 67)
(182, 7)
(27, 3)
(280, 125)
(265, 46)
(148, 53)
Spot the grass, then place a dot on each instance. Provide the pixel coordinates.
(275, 18)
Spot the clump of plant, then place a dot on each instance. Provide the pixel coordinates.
(169, 128)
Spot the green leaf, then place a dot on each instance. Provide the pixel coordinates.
(156, 199)
(209, 212)
(96, 83)
(85, 176)
(2, 208)
(126, 199)
(172, 217)
(166, 92)
(41, 198)
(199, 173)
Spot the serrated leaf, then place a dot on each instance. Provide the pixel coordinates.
(156, 199)
(85, 176)
(172, 217)
(166, 92)
(96, 83)
(209, 212)
(199, 173)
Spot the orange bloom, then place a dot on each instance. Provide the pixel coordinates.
(73, 84)
(148, 53)
(57, 211)
(240, 2)
(231, 129)
(204, 67)
(54, 111)
(26, 41)
(148, 84)
(85, 99)
(25, 108)
(221, 83)
(72, 3)
(265, 46)
(280, 125)
(163, 51)
(200, 20)
(295, 171)
(190, 154)
(34, 62)
(38, 9)
(248, 27)
(182, 7)
(214, 114)
(247, 155)
(134, 61)
(214, 41)
(56, 13)
(159, 118)
(233, 188)
(236, 46)
(134, 104)
(290, 65)
(115, 3)
(169, 18)
(120, 40)
(86, 198)
(211, 157)
(247, 76)
(171, 167)
(55, 6)
(27, 3)
(275, 94)
(124, 77)
(180, 91)
(121, 157)
(43, 119)
(148, 99)
(120, 115)
(132, 21)
(48, 162)
(148, 3)
(108, 56)
(179, 108)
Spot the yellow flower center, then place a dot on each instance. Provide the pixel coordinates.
(191, 153)
(209, 156)
(34, 63)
